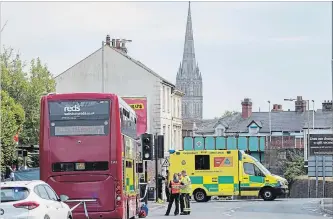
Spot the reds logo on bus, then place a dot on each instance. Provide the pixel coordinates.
(74, 108)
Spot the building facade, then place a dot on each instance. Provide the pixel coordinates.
(128, 77)
(189, 79)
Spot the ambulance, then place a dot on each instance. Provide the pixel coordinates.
(226, 173)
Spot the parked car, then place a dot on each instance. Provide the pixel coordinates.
(32, 200)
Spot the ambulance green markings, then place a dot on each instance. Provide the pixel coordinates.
(226, 173)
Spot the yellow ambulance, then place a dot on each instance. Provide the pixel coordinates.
(226, 173)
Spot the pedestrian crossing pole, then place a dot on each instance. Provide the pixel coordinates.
(156, 167)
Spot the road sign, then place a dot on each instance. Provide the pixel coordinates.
(166, 163)
(320, 166)
(321, 144)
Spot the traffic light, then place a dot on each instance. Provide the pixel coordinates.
(160, 145)
(147, 146)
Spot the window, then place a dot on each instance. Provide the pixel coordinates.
(169, 139)
(79, 117)
(12, 194)
(129, 164)
(202, 162)
(249, 169)
(80, 166)
(257, 171)
(41, 192)
(163, 98)
(169, 100)
(219, 131)
(174, 145)
(178, 109)
(174, 107)
(51, 193)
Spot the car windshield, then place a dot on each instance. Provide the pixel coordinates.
(11, 194)
(263, 168)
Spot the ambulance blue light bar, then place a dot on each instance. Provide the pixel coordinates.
(171, 151)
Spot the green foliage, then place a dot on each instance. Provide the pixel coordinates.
(24, 86)
(294, 168)
(12, 118)
(228, 113)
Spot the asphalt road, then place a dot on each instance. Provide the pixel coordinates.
(251, 209)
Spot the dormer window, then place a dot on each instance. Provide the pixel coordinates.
(219, 131)
(253, 128)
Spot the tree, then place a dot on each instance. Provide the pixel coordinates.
(26, 89)
(12, 118)
(40, 82)
(228, 113)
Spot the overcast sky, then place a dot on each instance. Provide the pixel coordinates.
(261, 50)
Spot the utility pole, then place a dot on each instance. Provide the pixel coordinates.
(313, 114)
(270, 121)
(332, 60)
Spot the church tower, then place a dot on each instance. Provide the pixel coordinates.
(189, 78)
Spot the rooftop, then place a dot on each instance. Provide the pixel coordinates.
(288, 121)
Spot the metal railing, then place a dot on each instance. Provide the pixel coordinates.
(84, 201)
(81, 201)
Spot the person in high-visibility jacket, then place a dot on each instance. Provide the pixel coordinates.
(185, 192)
(174, 196)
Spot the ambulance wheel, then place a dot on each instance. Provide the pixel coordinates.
(200, 195)
(208, 198)
(267, 194)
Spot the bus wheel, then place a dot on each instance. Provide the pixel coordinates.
(267, 194)
(200, 195)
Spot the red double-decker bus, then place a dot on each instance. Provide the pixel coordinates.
(89, 153)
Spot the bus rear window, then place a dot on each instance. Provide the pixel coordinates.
(12, 194)
(80, 166)
(79, 117)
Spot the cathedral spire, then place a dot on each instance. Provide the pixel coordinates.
(189, 62)
(189, 79)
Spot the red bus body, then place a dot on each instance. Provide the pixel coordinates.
(82, 152)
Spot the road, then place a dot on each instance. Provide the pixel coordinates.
(251, 209)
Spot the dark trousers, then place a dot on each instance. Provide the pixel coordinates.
(167, 193)
(173, 198)
(185, 207)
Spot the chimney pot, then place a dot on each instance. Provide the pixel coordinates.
(117, 43)
(108, 40)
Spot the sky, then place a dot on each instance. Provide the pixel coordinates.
(266, 51)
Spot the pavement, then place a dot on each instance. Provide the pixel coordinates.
(326, 205)
(249, 209)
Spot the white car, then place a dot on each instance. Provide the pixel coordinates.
(32, 200)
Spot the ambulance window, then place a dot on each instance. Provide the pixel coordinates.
(249, 169)
(202, 162)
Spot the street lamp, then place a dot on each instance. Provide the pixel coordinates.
(313, 114)
(270, 120)
(308, 132)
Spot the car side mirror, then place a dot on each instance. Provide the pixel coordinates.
(63, 198)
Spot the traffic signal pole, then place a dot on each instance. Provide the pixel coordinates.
(146, 180)
(156, 166)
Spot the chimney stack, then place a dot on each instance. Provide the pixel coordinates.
(246, 108)
(327, 105)
(300, 104)
(107, 42)
(277, 108)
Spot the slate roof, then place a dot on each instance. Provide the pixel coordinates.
(128, 57)
(288, 121)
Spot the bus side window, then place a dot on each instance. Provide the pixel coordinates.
(202, 162)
